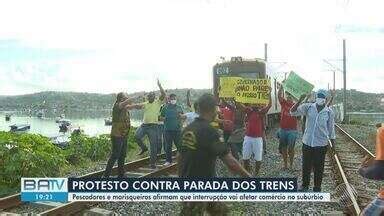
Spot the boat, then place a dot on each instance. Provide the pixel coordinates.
(77, 131)
(61, 121)
(40, 114)
(64, 126)
(61, 141)
(20, 127)
(7, 117)
(108, 121)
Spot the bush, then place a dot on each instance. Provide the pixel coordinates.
(31, 155)
(27, 155)
(82, 147)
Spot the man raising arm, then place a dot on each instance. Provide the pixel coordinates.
(150, 126)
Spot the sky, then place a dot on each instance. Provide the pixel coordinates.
(111, 46)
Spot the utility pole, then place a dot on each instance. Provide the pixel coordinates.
(265, 52)
(345, 82)
(334, 80)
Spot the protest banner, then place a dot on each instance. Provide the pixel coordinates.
(252, 91)
(297, 86)
(227, 87)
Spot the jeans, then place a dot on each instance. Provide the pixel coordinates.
(160, 138)
(170, 138)
(119, 151)
(151, 131)
(376, 207)
(313, 157)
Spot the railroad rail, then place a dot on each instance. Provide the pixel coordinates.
(138, 169)
(347, 155)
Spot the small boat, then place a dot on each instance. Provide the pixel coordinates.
(77, 131)
(64, 126)
(40, 114)
(61, 141)
(108, 121)
(61, 121)
(7, 117)
(20, 127)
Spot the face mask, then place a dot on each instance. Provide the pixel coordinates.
(173, 101)
(320, 101)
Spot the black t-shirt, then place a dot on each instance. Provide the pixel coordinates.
(200, 146)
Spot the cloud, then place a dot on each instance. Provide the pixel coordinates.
(103, 46)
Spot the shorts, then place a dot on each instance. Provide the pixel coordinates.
(253, 145)
(287, 139)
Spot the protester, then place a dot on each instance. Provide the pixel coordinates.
(308, 99)
(264, 137)
(171, 113)
(236, 138)
(320, 127)
(228, 115)
(121, 125)
(200, 146)
(150, 126)
(160, 133)
(288, 129)
(189, 117)
(253, 140)
(373, 168)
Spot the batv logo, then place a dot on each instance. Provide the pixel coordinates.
(44, 185)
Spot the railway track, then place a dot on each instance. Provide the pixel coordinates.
(12, 205)
(353, 191)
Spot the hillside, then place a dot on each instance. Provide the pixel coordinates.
(358, 101)
(75, 104)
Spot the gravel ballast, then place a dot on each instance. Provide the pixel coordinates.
(271, 167)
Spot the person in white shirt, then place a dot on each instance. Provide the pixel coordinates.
(189, 117)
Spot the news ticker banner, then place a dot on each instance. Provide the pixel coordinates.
(165, 190)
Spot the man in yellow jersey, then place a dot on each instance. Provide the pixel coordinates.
(373, 168)
(150, 124)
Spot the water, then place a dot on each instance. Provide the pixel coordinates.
(48, 127)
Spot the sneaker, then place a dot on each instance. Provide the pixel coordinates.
(167, 164)
(143, 151)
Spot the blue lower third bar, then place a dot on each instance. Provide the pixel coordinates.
(44, 196)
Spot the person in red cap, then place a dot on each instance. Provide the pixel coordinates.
(373, 168)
